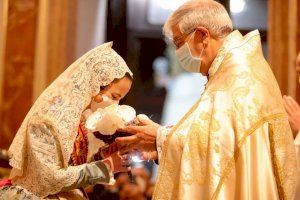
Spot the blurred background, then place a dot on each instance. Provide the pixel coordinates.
(39, 39)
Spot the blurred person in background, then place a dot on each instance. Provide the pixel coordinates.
(235, 142)
(149, 191)
(140, 181)
(142, 178)
(100, 191)
(131, 191)
(108, 191)
(293, 110)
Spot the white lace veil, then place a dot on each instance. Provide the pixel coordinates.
(63, 102)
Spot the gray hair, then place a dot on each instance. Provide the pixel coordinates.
(207, 13)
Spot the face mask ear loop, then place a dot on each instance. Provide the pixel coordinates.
(187, 42)
(193, 35)
(191, 38)
(201, 53)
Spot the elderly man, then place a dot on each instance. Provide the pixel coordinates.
(235, 142)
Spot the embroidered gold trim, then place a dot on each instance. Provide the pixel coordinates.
(281, 192)
(164, 152)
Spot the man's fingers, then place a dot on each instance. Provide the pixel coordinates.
(122, 141)
(145, 137)
(144, 120)
(127, 129)
(149, 155)
(126, 144)
(127, 149)
(132, 129)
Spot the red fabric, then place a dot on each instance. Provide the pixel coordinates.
(5, 182)
(80, 151)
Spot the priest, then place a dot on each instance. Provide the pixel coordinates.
(235, 142)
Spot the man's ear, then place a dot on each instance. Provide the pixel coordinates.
(204, 35)
(203, 32)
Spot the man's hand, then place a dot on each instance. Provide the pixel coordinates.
(293, 110)
(117, 163)
(145, 150)
(143, 139)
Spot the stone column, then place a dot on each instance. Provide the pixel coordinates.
(283, 42)
(37, 42)
(18, 66)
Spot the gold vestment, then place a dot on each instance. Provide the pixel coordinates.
(235, 142)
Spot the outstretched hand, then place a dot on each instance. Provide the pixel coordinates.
(142, 139)
(293, 110)
(117, 163)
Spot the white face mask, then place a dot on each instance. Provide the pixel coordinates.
(106, 102)
(187, 60)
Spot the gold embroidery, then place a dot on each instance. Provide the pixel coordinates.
(240, 143)
(164, 159)
(236, 102)
(276, 167)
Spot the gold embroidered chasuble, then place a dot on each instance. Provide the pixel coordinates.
(235, 142)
